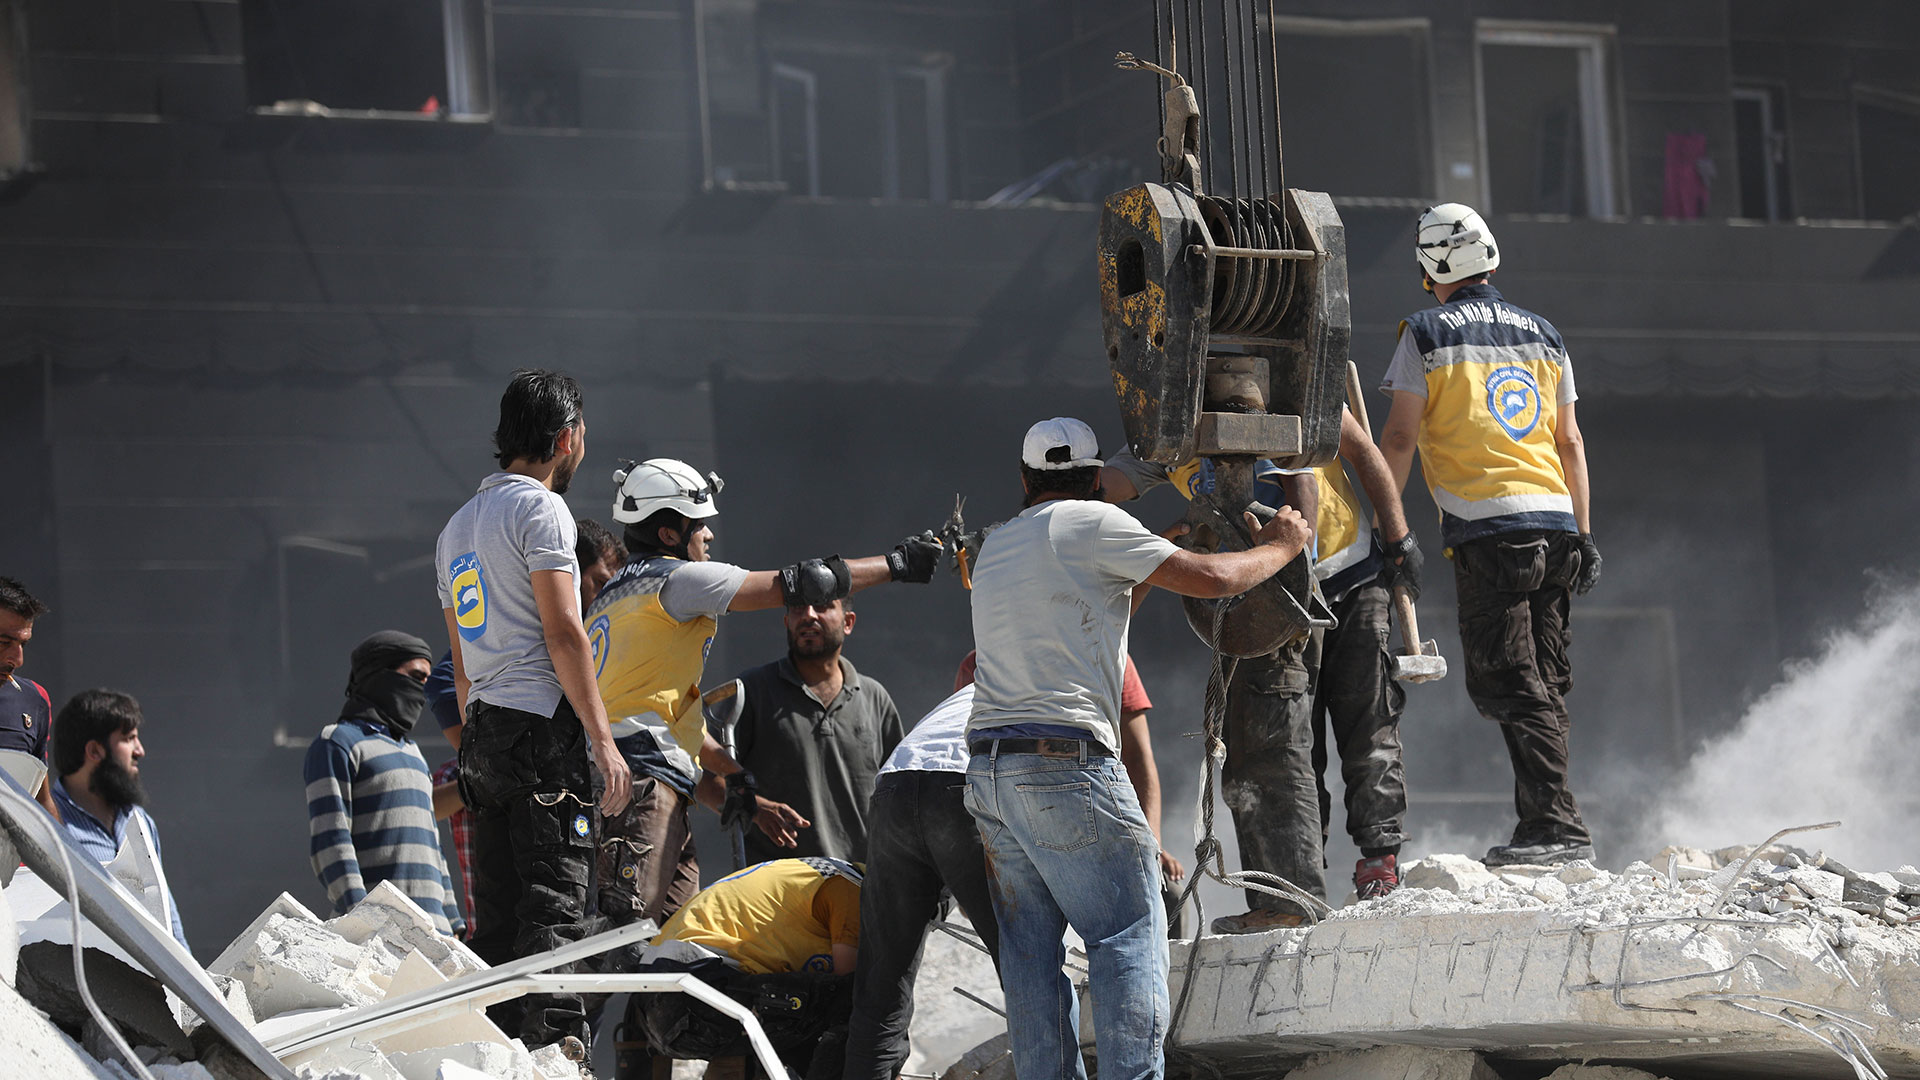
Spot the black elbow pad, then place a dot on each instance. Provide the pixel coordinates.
(815, 582)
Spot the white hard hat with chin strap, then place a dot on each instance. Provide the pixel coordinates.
(1453, 243)
(663, 484)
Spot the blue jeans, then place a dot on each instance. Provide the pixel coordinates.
(1067, 845)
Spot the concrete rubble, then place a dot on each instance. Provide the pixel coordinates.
(289, 968)
(1694, 964)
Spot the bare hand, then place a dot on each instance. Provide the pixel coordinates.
(1170, 867)
(1175, 531)
(781, 823)
(616, 780)
(1288, 530)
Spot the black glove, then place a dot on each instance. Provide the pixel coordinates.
(816, 582)
(1402, 561)
(1589, 565)
(915, 558)
(742, 801)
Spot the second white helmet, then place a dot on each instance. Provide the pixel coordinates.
(658, 484)
(1452, 243)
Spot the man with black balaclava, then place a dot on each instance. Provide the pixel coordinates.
(369, 792)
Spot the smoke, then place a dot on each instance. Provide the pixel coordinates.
(1836, 738)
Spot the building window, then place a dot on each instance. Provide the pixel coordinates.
(1760, 138)
(1376, 69)
(1546, 129)
(1887, 135)
(419, 57)
(913, 158)
(795, 125)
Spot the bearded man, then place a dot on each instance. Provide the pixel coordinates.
(814, 732)
(97, 752)
(369, 792)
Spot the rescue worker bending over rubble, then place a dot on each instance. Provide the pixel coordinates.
(782, 938)
(1064, 833)
(523, 673)
(651, 627)
(1351, 671)
(1484, 390)
(1268, 776)
(369, 795)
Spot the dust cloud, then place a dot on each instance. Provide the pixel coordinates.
(1837, 737)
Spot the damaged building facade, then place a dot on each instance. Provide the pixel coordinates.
(261, 293)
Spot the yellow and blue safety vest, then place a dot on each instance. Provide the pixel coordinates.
(1494, 374)
(648, 665)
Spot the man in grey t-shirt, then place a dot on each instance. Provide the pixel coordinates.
(1063, 829)
(524, 677)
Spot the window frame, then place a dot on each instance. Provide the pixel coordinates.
(1773, 119)
(466, 42)
(1602, 111)
(934, 75)
(1891, 100)
(1420, 31)
(805, 77)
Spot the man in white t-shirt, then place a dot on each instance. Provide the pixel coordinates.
(1064, 833)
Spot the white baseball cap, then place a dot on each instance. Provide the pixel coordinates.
(1060, 443)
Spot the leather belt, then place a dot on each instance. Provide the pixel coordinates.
(1044, 747)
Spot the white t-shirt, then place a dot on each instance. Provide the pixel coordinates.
(938, 743)
(1051, 601)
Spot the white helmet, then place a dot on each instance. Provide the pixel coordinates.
(663, 484)
(1453, 243)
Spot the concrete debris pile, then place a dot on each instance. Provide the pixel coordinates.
(1780, 963)
(289, 971)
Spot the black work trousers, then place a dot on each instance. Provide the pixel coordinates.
(1355, 696)
(1268, 780)
(1515, 591)
(527, 782)
(920, 840)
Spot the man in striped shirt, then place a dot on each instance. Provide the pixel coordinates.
(369, 792)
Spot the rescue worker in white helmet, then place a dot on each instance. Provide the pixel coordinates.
(651, 627)
(1484, 390)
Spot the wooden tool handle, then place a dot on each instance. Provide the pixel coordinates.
(1356, 399)
(1409, 622)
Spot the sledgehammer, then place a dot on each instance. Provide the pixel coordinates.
(1422, 661)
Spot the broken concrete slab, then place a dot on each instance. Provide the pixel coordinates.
(468, 1026)
(552, 1063)
(389, 918)
(35, 1047)
(283, 906)
(1395, 1063)
(509, 1061)
(347, 1061)
(132, 998)
(1452, 873)
(9, 936)
(1600, 1072)
(295, 964)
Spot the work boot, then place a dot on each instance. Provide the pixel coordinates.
(1546, 853)
(1257, 921)
(1376, 877)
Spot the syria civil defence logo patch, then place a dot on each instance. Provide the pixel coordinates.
(581, 826)
(597, 637)
(1513, 397)
(469, 596)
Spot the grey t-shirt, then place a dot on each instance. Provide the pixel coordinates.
(485, 561)
(1051, 602)
(701, 588)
